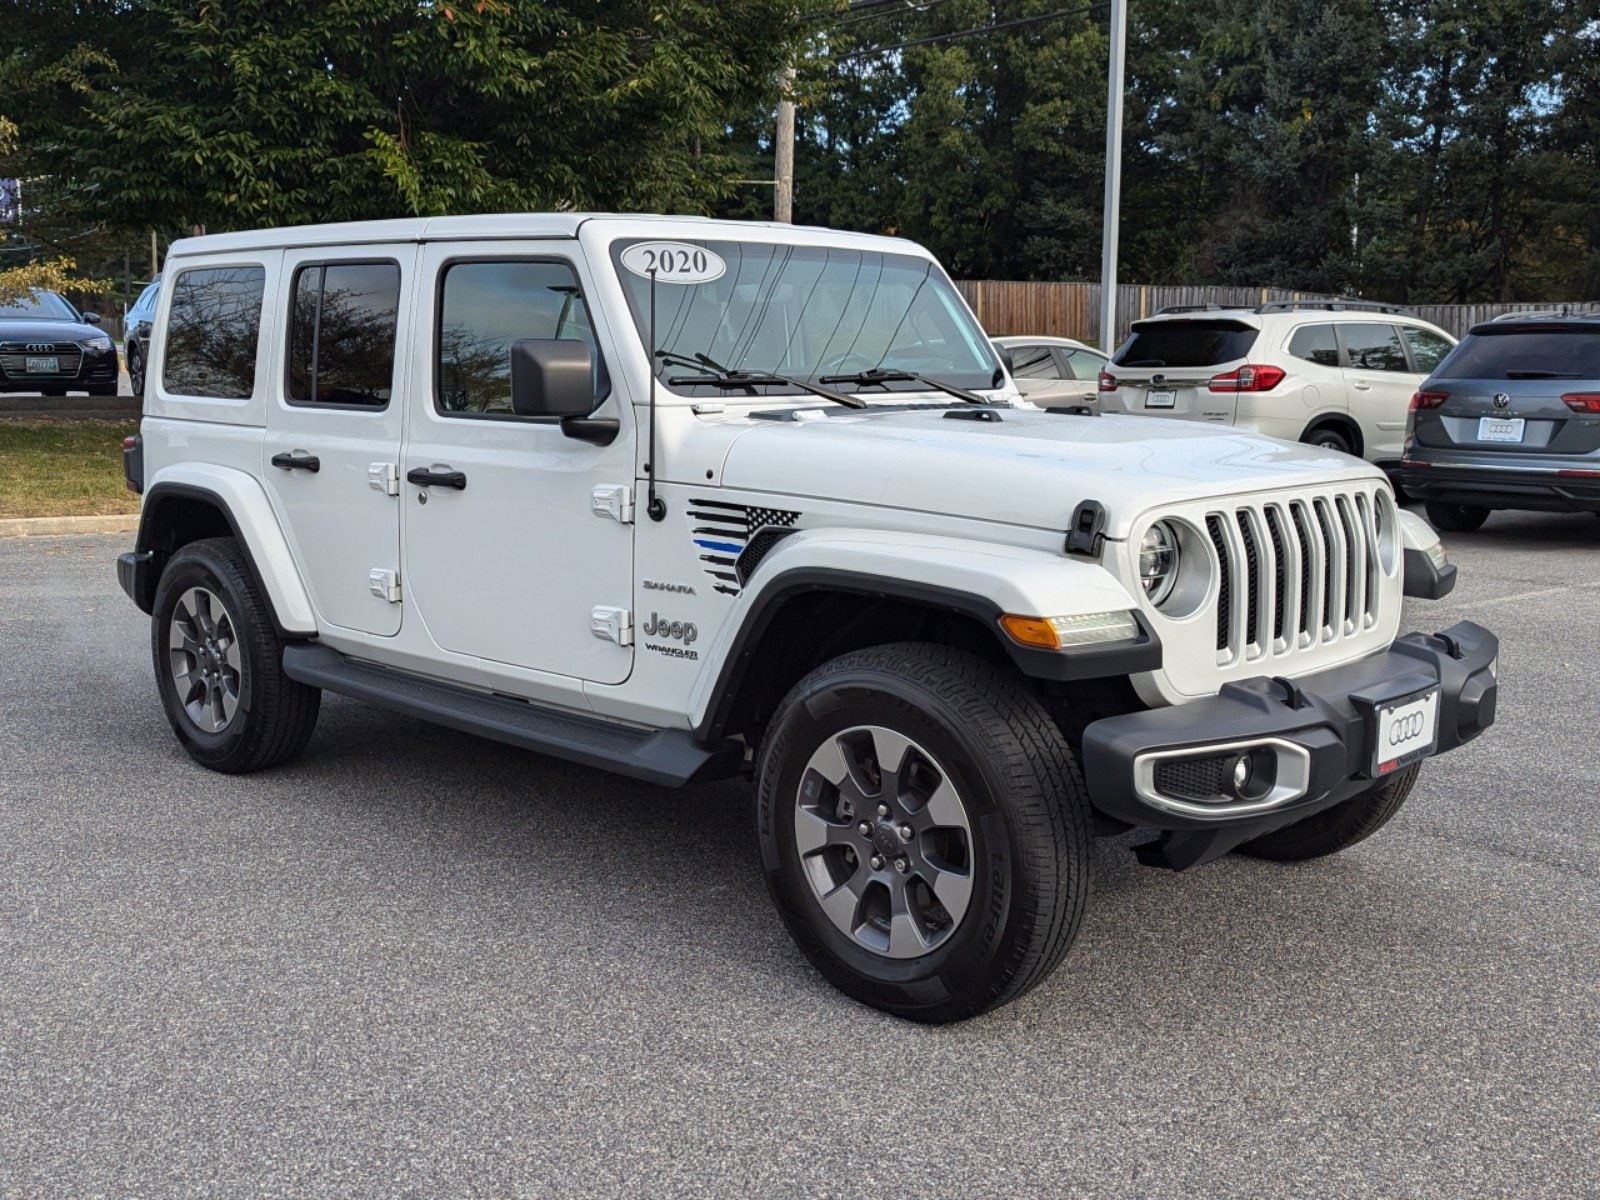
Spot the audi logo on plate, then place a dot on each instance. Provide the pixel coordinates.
(1501, 400)
(1405, 729)
(40, 347)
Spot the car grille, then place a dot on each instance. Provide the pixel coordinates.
(1297, 573)
(14, 357)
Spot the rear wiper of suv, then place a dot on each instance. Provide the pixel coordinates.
(880, 375)
(1543, 375)
(717, 375)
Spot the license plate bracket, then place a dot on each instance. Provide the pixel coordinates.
(1501, 429)
(41, 364)
(1402, 730)
(1160, 398)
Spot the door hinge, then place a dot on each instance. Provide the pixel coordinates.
(384, 584)
(613, 500)
(384, 477)
(612, 624)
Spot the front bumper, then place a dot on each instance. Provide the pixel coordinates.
(1538, 489)
(1319, 728)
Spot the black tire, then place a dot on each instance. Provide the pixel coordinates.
(274, 716)
(1023, 800)
(1337, 828)
(1328, 438)
(1456, 518)
(136, 371)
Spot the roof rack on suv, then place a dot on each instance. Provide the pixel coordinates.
(1329, 306)
(1186, 308)
(1543, 314)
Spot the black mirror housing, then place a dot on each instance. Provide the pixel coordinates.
(552, 377)
(1005, 357)
(91, 318)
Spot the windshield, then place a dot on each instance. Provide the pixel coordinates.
(1557, 352)
(41, 306)
(805, 312)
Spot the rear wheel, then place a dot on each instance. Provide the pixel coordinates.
(923, 828)
(1456, 518)
(1329, 439)
(1337, 828)
(219, 664)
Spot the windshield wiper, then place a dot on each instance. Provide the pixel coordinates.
(880, 376)
(1543, 375)
(720, 376)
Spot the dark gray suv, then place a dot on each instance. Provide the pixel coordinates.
(1510, 419)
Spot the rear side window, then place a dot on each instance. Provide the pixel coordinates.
(342, 334)
(1034, 362)
(1548, 353)
(483, 308)
(1374, 347)
(1427, 348)
(213, 332)
(1317, 344)
(1186, 344)
(1083, 365)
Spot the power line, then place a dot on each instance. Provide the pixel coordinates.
(950, 37)
(900, 8)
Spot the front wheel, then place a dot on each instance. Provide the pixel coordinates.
(135, 371)
(1456, 518)
(1337, 828)
(219, 664)
(924, 830)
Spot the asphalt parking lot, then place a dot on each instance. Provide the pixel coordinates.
(415, 963)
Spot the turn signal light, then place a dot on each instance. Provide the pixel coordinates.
(1584, 402)
(1248, 379)
(1061, 633)
(1428, 400)
(1108, 383)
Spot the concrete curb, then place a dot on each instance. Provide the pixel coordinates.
(66, 526)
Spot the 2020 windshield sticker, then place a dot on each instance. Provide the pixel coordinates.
(674, 262)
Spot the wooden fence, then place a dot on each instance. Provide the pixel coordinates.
(1073, 309)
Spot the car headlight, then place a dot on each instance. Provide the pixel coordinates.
(98, 342)
(1158, 561)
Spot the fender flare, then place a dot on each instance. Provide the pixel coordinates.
(244, 504)
(975, 580)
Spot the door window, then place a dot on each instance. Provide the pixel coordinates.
(1427, 348)
(213, 331)
(1034, 362)
(342, 331)
(1316, 344)
(1082, 364)
(1374, 347)
(486, 306)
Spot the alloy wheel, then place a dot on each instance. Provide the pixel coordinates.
(207, 663)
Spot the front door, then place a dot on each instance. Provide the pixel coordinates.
(511, 566)
(333, 429)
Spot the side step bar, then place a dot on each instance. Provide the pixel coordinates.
(671, 757)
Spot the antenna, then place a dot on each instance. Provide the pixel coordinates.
(657, 507)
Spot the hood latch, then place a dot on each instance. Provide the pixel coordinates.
(1085, 535)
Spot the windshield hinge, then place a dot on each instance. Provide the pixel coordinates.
(1084, 535)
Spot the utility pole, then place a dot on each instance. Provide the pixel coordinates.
(1113, 205)
(783, 152)
(155, 262)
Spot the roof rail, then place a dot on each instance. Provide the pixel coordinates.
(1329, 306)
(1184, 308)
(1535, 315)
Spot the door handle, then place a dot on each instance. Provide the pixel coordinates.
(444, 477)
(1362, 387)
(297, 462)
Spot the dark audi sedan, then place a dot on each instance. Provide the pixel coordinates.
(1509, 419)
(47, 346)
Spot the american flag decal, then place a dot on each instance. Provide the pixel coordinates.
(723, 532)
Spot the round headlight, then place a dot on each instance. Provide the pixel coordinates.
(1158, 561)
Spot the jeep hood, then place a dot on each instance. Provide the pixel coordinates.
(1024, 467)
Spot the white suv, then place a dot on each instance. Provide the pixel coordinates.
(1334, 374)
(688, 500)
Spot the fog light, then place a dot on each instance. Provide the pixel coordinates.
(1254, 774)
(1241, 772)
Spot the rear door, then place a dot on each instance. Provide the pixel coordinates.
(1043, 377)
(330, 456)
(1166, 367)
(1379, 383)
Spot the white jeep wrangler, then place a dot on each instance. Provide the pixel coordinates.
(684, 499)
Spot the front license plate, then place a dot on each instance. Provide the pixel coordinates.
(1500, 429)
(1160, 399)
(41, 366)
(1407, 730)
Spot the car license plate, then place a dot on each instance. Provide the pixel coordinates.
(1160, 399)
(1406, 730)
(41, 366)
(1500, 429)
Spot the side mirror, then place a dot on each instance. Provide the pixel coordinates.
(91, 318)
(1005, 357)
(554, 377)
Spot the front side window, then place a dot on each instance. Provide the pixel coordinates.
(213, 332)
(342, 334)
(1034, 362)
(145, 306)
(1427, 348)
(1374, 347)
(486, 306)
(811, 313)
(1316, 344)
